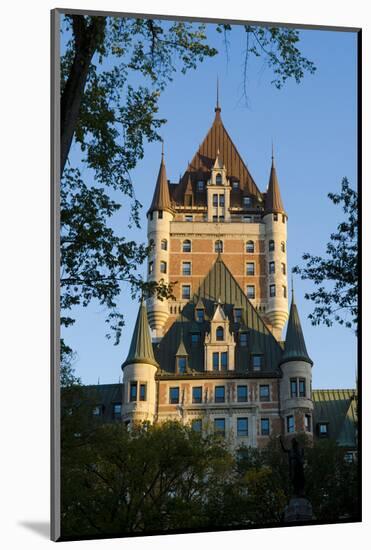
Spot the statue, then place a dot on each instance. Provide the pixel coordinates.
(296, 466)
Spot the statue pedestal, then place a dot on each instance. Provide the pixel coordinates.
(298, 509)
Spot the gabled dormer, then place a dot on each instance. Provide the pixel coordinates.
(219, 342)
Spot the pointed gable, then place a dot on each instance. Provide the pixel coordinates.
(161, 196)
(219, 286)
(218, 145)
(273, 200)
(295, 348)
(141, 350)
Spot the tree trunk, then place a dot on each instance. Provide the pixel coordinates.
(87, 39)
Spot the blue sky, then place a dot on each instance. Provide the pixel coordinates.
(313, 126)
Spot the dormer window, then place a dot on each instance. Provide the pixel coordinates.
(257, 361)
(243, 339)
(247, 202)
(195, 338)
(200, 315)
(200, 185)
(322, 429)
(221, 200)
(215, 199)
(220, 334)
(237, 312)
(218, 179)
(235, 185)
(182, 364)
(218, 246)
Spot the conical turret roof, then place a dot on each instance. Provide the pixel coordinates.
(273, 200)
(141, 350)
(161, 197)
(295, 348)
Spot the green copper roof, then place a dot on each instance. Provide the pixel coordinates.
(338, 408)
(141, 350)
(295, 348)
(219, 284)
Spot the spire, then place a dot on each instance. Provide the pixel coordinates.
(295, 348)
(141, 350)
(217, 108)
(273, 201)
(181, 352)
(161, 196)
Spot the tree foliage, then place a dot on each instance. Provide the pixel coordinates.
(166, 477)
(113, 71)
(336, 274)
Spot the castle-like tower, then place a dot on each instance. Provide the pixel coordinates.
(217, 359)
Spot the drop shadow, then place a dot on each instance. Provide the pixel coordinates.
(42, 528)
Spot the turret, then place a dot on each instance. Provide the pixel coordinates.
(296, 382)
(275, 220)
(139, 369)
(159, 216)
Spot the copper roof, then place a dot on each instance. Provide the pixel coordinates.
(218, 143)
(141, 350)
(295, 348)
(161, 196)
(273, 201)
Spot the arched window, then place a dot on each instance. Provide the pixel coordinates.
(187, 246)
(218, 179)
(271, 246)
(220, 334)
(283, 247)
(218, 246)
(250, 247)
(164, 244)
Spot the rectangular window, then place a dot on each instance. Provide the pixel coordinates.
(293, 387)
(200, 185)
(250, 268)
(271, 246)
(241, 394)
(215, 360)
(290, 424)
(275, 217)
(174, 395)
(235, 185)
(143, 392)
(160, 214)
(133, 391)
(221, 218)
(186, 292)
(188, 218)
(237, 312)
(264, 392)
(283, 268)
(247, 202)
(242, 427)
(200, 315)
(224, 360)
(283, 218)
(257, 361)
(195, 338)
(163, 267)
(197, 394)
(215, 219)
(219, 394)
(219, 426)
(197, 425)
(97, 411)
(186, 268)
(308, 423)
(264, 426)
(271, 267)
(221, 200)
(151, 216)
(250, 292)
(116, 410)
(247, 219)
(215, 199)
(182, 364)
(150, 267)
(243, 339)
(272, 291)
(284, 291)
(323, 429)
(302, 387)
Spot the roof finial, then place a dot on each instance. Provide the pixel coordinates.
(292, 288)
(217, 108)
(272, 152)
(162, 149)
